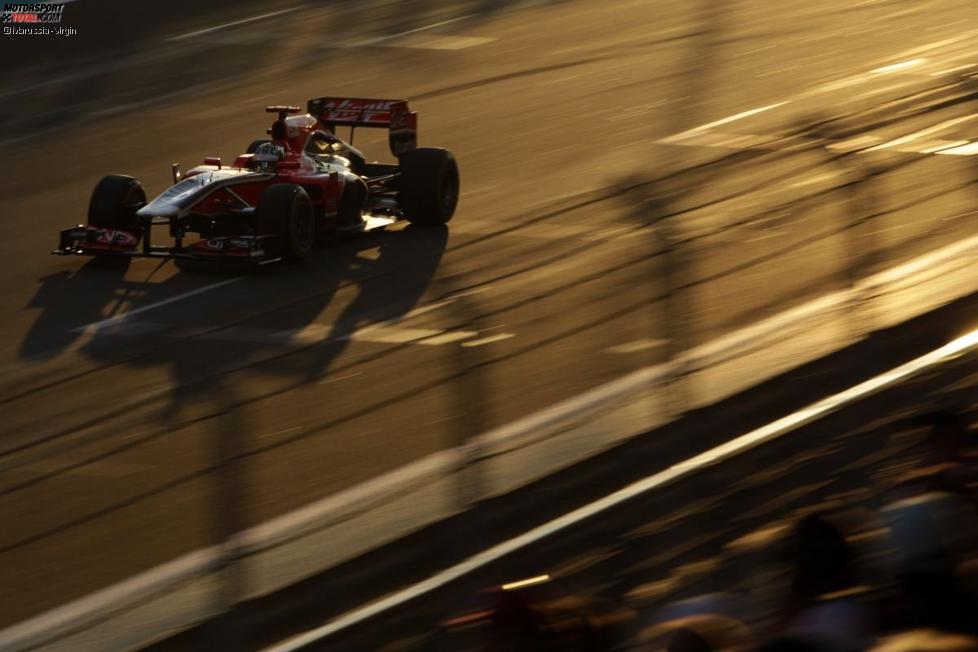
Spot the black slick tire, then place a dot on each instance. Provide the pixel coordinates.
(255, 144)
(114, 202)
(428, 186)
(284, 210)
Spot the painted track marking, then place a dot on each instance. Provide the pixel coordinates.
(488, 340)
(116, 319)
(379, 333)
(390, 37)
(426, 42)
(234, 23)
(636, 346)
(717, 123)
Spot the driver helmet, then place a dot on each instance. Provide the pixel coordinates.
(267, 156)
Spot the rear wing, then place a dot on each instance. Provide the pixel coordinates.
(353, 112)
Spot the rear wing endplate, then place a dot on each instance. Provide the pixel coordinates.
(354, 112)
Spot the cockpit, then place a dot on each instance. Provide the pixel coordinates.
(322, 145)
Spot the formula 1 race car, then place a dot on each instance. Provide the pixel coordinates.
(300, 186)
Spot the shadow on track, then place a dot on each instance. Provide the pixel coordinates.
(59, 296)
(212, 380)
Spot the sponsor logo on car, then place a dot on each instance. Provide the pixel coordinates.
(114, 237)
(358, 105)
(352, 109)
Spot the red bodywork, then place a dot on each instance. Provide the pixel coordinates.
(216, 201)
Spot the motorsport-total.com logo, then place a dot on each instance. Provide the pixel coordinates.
(32, 12)
(34, 19)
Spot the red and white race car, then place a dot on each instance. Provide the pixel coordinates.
(298, 187)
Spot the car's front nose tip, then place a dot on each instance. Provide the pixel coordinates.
(157, 209)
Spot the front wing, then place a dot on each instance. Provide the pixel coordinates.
(88, 240)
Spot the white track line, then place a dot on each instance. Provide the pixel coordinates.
(234, 23)
(422, 42)
(917, 135)
(416, 30)
(115, 319)
(637, 345)
(498, 337)
(970, 149)
(722, 121)
(333, 379)
(715, 455)
(903, 64)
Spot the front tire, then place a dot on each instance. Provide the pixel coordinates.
(114, 202)
(285, 211)
(428, 185)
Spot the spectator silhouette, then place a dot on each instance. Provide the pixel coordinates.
(930, 536)
(825, 605)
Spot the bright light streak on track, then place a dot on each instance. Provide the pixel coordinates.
(539, 579)
(897, 67)
(234, 23)
(676, 472)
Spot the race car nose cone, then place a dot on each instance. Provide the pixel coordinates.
(158, 209)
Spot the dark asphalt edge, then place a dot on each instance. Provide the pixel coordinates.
(322, 597)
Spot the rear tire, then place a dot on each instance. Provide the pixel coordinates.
(428, 185)
(285, 211)
(114, 202)
(255, 144)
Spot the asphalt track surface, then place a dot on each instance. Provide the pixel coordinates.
(589, 135)
(662, 545)
(722, 530)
